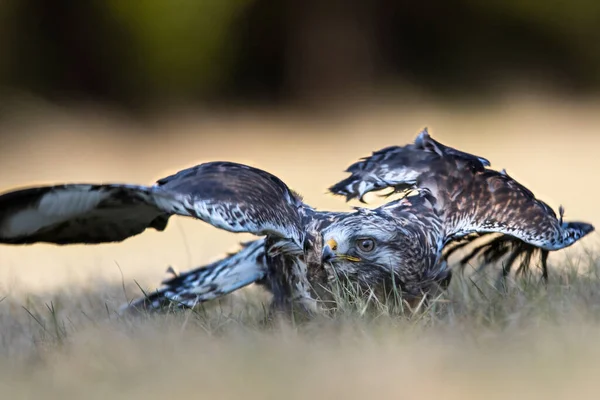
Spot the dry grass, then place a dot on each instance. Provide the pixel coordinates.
(475, 341)
(60, 335)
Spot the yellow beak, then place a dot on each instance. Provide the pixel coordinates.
(333, 246)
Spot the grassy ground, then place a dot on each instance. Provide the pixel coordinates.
(528, 341)
(60, 335)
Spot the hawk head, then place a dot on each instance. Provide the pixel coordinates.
(375, 248)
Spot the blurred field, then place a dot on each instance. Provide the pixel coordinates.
(530, 344)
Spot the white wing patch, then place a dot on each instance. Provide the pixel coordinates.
(69, 203)
(402, 175)
(53, 208)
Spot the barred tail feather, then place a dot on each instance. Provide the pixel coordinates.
(207, 282)
(512, 253)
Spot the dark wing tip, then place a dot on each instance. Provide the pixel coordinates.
(344, 188)
(582, 228)
(160, 223)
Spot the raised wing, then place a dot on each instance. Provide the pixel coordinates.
(230, 196)
(470, 197)
(404, 167)
(208, 282)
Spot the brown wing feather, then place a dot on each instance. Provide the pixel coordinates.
(493, 202)
(470, 197)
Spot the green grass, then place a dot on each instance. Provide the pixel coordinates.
(475, 341)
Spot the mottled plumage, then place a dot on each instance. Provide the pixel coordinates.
(477, 200)
(460, 201)
(470, 198)
(451, 195)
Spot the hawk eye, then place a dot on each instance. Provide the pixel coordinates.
(366, 245)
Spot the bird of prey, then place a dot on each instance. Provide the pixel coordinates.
(453, 195)
(470, 201)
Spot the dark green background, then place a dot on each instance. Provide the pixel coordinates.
(136, 52)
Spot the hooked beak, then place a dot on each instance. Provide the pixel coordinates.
(330, 254)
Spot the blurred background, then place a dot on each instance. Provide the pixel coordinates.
(152, 51)
(129, 91)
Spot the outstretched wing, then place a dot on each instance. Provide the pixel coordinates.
(470, 197)
(78, 213)
(493, 202)
(403, 167)
(208, 282)
(230, 196)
